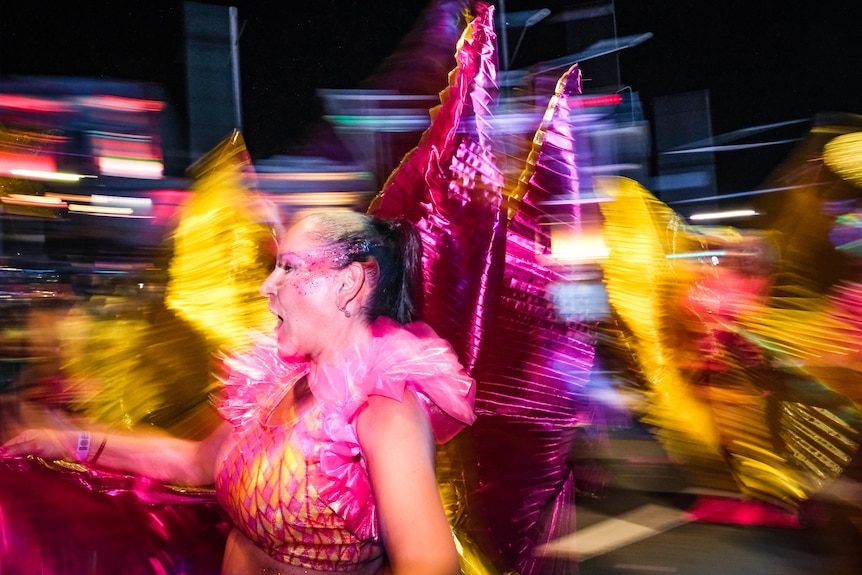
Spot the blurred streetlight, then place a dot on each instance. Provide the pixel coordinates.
(536, 17)
(523, 20)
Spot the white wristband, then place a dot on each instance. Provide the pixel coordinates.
(82, 452)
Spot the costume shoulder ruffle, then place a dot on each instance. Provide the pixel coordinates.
(395, 358)
(254, 379)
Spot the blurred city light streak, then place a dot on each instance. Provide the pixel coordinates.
(717, 142)
(317, 199)
(573, 201)
(376, 110)
(731, 147)
(46, 175)
(382, 123)
(702, 254)
(35, 104)
(127, 155)
(103, 210)
(23, 200)
(758, 192)
(722, 215)
(573, 247)
(121, 104)
(88, 134)
(27, 160)
(599, 101)
(310, 176)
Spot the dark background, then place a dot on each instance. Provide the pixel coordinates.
(762, 61)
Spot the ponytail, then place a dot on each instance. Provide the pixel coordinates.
(408, 295)
(394, 246)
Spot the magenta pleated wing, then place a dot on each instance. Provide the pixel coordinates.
(450, 186)
(487, 293)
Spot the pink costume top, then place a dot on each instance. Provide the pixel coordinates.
(300, 490)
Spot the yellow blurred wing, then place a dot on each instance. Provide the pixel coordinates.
(220, 257)
(640, 232)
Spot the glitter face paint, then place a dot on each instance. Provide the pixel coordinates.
(306, 269)
(302, 293)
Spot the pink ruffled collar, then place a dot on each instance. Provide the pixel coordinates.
(395, 358)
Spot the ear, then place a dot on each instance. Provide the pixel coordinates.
(351, 281)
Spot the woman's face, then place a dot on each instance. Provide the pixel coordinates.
(301, 292)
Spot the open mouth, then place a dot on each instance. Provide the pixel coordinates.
(279, 317)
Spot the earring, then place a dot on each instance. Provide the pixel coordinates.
(344, 310)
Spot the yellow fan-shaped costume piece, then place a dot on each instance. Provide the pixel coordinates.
(640, 232)
(219, 257)
(725, 367)
(132, 360)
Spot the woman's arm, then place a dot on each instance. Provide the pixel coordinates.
(398, 445)
(154, 455)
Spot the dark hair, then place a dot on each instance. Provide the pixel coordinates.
(394, 246)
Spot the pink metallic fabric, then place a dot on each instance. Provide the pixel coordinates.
(59, 519)
(487, 293)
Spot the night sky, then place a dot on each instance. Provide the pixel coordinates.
(762, 61)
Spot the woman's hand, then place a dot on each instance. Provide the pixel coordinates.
(152, 454)
(46, 443)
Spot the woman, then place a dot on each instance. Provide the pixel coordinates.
(326, 461)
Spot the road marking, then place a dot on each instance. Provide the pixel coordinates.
(615, 532)
(649, 568)
(844, 490)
